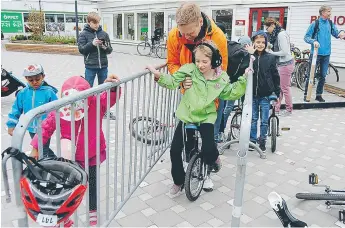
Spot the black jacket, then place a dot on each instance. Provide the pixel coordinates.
(266, 78)
(94, 57)
(238, 60)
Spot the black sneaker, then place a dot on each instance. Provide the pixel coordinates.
(263, 146)
(319, 98)
(251, 148)
(305, 98)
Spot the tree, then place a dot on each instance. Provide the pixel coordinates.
(36, 22)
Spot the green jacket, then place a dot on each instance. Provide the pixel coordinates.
(197, 104)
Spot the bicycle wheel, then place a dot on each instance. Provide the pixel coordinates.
(194, 177)
(236, 125)
(273, 127)
(320, 196)
(301, 74)
(161, 51)
(144, 49)
(152, 133)
(332, 71)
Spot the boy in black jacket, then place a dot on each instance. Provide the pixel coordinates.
(266, 82)
(95, 45)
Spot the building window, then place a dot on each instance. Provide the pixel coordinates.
(224, 17)
(117, 23)
(129, 26)
(55, 23)
(142, 25)
(171, 21)
(157, 24)
(70, 25)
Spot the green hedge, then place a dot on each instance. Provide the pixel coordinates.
(47, 39)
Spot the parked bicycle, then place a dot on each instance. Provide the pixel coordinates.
(145, 48)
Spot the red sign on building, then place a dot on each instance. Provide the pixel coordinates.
(240, 22)
(337, 20)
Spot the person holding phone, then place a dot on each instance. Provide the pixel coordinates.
(94, 44)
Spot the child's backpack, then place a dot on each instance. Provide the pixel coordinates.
(238, 60)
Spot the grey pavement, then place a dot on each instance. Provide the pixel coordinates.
(314, 143)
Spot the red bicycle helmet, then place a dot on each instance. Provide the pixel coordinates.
(51, 194)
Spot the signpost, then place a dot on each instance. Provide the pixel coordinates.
(12, 22)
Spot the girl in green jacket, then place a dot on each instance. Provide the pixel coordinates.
(198, 105)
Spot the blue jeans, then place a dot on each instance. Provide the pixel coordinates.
(90, 74)
(219, 119)
(227, 111)
(323, 61)
(262, 105)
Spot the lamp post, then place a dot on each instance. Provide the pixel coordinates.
(76, 18)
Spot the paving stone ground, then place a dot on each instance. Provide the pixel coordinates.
(314, 143)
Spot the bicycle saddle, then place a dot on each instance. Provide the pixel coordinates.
(191, 126)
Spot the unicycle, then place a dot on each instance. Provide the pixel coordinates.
(273, 124)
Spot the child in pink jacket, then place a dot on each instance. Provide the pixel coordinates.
(71, 86)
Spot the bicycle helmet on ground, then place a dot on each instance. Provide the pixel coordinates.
(53, 187)
(33, 70)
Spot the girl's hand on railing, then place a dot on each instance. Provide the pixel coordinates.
(112, 78)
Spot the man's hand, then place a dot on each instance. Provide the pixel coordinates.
(342, 35)
(10, 131)
(96, 42)
(154, 71)
(316, 44)
(187, 83)
(34, 153)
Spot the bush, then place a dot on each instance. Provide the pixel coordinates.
(71, 40)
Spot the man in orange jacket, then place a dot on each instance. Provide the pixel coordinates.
(193, 26)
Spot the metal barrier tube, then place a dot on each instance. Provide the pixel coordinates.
(136, 136)
(58, 133)
(142, 128)
(73, 150)
(154, 121)
(39, 133)
(98, 152)
(116, 146)
(86, 155)
(131, 141)
(244, 145)
(147, 113)
(107, 140)
(123, 143)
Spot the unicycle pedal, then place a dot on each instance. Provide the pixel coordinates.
(342, 216)
(313, 179)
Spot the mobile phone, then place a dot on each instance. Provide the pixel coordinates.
(103, 41)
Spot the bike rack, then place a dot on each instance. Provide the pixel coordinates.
(255, 146)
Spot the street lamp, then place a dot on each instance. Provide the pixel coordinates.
(76, 18)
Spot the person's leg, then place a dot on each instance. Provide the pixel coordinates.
(92, 195)
(102, 74)
(219, 120)
(285, 86)
(324, 62)
(209, 147)
(264, 104)
(189, 143)
(227, 111)
(47, 152)
(255, 117)
(177, 170)
(90, 75)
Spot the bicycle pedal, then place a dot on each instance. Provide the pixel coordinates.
(313, 179)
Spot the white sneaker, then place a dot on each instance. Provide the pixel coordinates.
(208, 184)
(175, 189)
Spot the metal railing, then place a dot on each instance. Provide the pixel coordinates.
(135, 141)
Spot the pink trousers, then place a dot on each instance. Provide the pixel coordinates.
(285, 86)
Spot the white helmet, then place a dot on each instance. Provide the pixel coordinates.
(33, 70)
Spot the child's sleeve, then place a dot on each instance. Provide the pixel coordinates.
(173, 81)
(17, 110)
(113, 97)
(235, 90)
(48, 128)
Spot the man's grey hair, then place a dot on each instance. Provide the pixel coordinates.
(324, 8)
